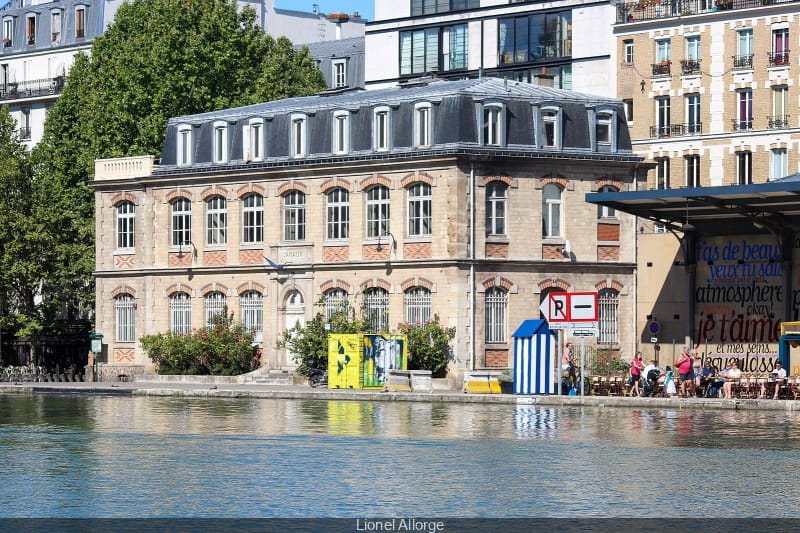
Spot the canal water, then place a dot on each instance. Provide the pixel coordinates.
(121, 456)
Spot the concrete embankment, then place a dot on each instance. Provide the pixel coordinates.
(305, 392)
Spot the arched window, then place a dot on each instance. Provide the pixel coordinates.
(551, 210)
(253, 313)
(180, 313)
(418, 305)
(336, 302)
(496, 315)
(126, 225)
(608, 310)
(215, 305)
(125, 314)
(496, 208)
(602, 210)
(377, 211)
(419, 210)
(181, 221)
(253, 219)
(338, 210)
(294, 216)
(216, 220)
(376, 306)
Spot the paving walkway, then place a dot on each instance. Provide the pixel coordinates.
(305, 392)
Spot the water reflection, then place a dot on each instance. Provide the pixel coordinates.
(123, 456)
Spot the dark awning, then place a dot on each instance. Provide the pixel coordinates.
(725, 210)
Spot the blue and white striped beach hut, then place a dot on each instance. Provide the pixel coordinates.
(534, 358)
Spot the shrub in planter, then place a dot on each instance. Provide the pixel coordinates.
(429, 346)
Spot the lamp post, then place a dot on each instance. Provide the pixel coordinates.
(392, 243)
(192, 248)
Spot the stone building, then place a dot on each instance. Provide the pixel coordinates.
(463, 199)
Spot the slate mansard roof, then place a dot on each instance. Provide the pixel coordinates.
(455, 129)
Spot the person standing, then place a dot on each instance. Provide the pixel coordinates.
(684, 365)
(567, 360)
(637, 365)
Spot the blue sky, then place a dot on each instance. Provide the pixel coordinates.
(366, 8)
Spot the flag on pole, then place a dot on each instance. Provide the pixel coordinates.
(272, 263)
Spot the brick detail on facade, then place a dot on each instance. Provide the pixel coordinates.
(123, 197)
(214, 287)
(415, 177)
(608, 253)
(250, 286)
(335, 183)
(496, 250)
(292, 186)
(498, 281)
(244, 190)
(417, 250)
(605, 180)
(125, 261)
(335, 284)
(218, 258)
(251, 257)
(177, 193)
(123, 289)
(178, 259)
(178, 287)
(497, 358)
(375, 282)
(559, 283)
(124, 355)
(560, 180)
(375, 179)
(333, 254)
(609, 284)
(214, 190)
(416, 282)
(369, 252)
(552, 252)
(607, 232)
(508, 180)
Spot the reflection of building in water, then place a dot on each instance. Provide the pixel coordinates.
(534, 422)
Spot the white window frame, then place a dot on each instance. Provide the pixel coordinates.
(608, 314)
(80, 22)
(778, 163)
(603, 211)
(780, 102)
(216, 221)
(552, 219)
(184, 145)
(663, 116)
(298, 135)
(254, 140)
(549, 117)
(627, 51)
(215, 303)
(495, 315)
(692, 173)
(125, 318)
(382, 128)
(745, 121)
(420, 208)
(294, 216)
(31, 28)
(337, 214)
(693, 118)
(341, 132)
(180, 313)
(492, 120)
(126, 226)
(376, 308)
(220, 140)
(8, 30)
(744, 42)
(744, 167)
(663, 50)
(252, 309)
(55, 25)
(417, 301)
(605, 121)
(339, 73)
(496, 207)
(253, 219)
(423, 125)
(378, 211)
(662, 173)
(181, 208)
(693, 48)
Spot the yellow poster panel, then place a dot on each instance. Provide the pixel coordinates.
(382, 354)
(344, 361)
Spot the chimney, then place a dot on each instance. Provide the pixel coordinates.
(315, 9)
(338, 19)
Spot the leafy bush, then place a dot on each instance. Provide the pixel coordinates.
(222, 349)
(429, 346)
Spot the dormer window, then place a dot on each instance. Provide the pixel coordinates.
(30, 28)
(549, 128)
(254, 140)
(604, 130)
(8, 32)
(184, 148)
(220, 142)
(298, 135)
(492, 124)
(341, 132)
(339, 74)
(80, 22)
(381, 128)
(55, 25)
(423, 123)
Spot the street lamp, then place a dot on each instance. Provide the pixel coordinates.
(393, 242)
(193, 248)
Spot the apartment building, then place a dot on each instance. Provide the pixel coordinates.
(458, 198)
(564, 44)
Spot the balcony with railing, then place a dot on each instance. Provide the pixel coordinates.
(690, 67)
(31, 88)
(778, 59)
(666, 131)
(778, 122)
(744, 62)
(662, 69)
(742, 124)
(659, 9)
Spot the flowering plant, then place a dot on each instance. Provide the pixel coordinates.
(429, 346)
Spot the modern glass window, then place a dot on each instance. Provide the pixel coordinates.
(693, 52)
(778, 164)
(662, 172)
(663, 50)
(255, 140)
(495, 315)
(663, 107)
(602, 210)
(294, 216)
(253, 219)
(550, 135)
(184, 145)
(551, 210)
(376, 307)
(252, 303)
(780, 46)
(422, 125)
(30, 29)
(216, 220)
(608, 311)
(744, 110)
(693, 124)
(418, 305)
(377, 211)
(215, 305)
(298, 136)
(692, 163)
(454, 47)
(493, 125)
(627, 53)
(336, 301)
(496, 208)
(419, 210)
(535, 37)
(220, 142)
(339, 74)
(181, 221)
(126, 225)
(341, 132)
(125, 315)
(180, 313)
(429, 7)
(80, 22)
(55, 25)
(433, 49)
(338, 214)
(744, 167)
(744, 49)
(381, 128)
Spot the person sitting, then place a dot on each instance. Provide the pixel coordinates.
(778, 379)
(707, 377)
(732, 375)
(669, 383)
(717, 382)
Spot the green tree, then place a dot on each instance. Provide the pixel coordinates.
(429, 346)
